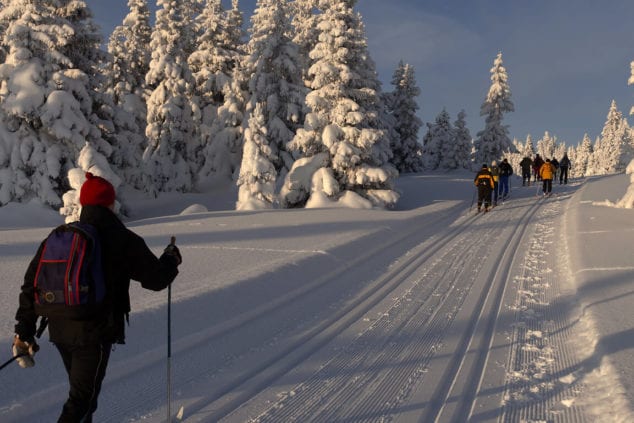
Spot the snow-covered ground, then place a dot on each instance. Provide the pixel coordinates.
(425, 313)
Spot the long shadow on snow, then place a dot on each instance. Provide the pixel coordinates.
(198, 314)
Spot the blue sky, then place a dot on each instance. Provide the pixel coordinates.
(566, 59)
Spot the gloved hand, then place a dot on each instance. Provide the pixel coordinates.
(172, 251)
(26, 351)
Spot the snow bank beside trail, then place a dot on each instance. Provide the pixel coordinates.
(602, 270)
(28, 215)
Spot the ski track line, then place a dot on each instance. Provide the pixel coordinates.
(369, 399)
(454, 398)
(542, 383)
(225, 400)
(383, 372)
(150, 361)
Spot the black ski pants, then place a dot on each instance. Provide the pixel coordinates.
(526, 176)
(563, 175)
(86, 368)
(548, 186)
(484, 196)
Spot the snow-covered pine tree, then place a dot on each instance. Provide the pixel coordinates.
(223, 118)
(48, 96)
(344, 120)
(515, 158)
(596, 158)
(560, 149)
(583, 155)
(438, 151)
(169, 111)
(235, 30)
(274, 75)
(529, 148)
(90, 160)
(546, 146)
(430, 151)
(463, 142)
(572, 156)
(402, 106)
(258, 175)
(125, 74)
(493, 141)
(305, 34)
(192, 9)
(614, 152)
(211, 66)
(84, 51)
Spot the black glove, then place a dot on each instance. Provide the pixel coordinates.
(25, 351)
(172, 251)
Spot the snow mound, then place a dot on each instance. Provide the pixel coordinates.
(194, 208)
(32, 214)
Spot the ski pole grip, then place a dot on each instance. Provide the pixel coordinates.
(173, 240)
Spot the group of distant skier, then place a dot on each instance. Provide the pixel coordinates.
(492, 181)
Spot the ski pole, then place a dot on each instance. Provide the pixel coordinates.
(12, 359)
(537, 188)
(169, 345)
(473, 198)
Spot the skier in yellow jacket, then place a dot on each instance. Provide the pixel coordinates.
(547, 173)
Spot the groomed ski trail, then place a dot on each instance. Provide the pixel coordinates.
(446, 316)
(424, 340)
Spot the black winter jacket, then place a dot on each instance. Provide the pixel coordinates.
(505, 169)
(125, 256)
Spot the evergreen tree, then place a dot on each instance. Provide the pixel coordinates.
(593, 167)
(192, 9)
(304, 32)
(130, 59)
(493, 141)
(529, 148)
(430, 150)
(223, 117)
(49, 98)
(462, 142)
(170, 121)
(402, 106)
(257, 173)
(546, 146)
(211, 66)
(235, 18)
(439, 149)
(89, 160)
(274, 75)
(344, 119)
(615, 149)
(583, 155)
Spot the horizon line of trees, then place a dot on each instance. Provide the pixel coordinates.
(609, 153)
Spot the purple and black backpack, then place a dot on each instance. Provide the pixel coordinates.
(69, 281)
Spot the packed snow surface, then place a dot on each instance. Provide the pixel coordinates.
(429, 312)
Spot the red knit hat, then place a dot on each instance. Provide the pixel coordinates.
(96, 191)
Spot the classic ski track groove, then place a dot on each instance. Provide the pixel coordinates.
(215, 407)
(454, 398)
(543, 360)
(391, 387)
(153, 360)
(316, 402)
